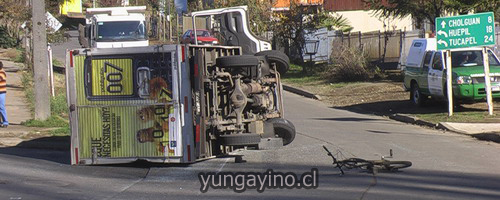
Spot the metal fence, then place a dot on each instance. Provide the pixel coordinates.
(381, 46)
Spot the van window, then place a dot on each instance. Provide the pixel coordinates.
(417, 44)
(437, 63)
(427, 59)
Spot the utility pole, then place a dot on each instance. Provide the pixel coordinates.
(40, 64)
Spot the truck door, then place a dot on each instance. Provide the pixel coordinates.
(435, 75)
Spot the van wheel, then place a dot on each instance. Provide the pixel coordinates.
(241, 139)
(282, 61)
(283, 129)
(416, 96)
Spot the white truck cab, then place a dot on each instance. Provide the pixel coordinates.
(116, 27)
(232, 24)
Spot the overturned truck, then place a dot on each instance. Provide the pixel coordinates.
(173, 103)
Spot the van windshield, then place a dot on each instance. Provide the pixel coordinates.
(121, 31)
(471, 58)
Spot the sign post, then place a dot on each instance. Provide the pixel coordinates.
(466, 31)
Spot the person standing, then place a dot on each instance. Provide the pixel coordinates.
(3, 92)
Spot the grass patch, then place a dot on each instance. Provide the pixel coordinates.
(13, 55)
(469, 116)
(56, 62)
(63, 131)
(52, 121)
(295, 75)
(58, 105)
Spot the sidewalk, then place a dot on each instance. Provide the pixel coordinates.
(17, 108)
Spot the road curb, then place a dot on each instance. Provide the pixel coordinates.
(301, 92)
(412, 120)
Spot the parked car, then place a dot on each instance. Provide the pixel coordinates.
(425, 74)
(203, 36)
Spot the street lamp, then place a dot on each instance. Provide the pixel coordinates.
(311, 48)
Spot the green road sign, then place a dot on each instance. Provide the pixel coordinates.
(465, 31)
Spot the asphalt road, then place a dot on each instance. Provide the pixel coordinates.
(445, 165)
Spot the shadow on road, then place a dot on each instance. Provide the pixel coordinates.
(406, 107)
(347, 119)
(55, 149)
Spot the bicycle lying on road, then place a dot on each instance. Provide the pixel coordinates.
(372, 165)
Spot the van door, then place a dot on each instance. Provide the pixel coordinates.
(435, 75)
(416, 53)
(422, 77)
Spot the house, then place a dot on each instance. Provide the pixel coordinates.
(365, 20)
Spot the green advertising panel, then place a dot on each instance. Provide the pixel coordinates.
(465, 31)
(125, 106)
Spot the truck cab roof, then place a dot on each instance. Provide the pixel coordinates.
(131, 17)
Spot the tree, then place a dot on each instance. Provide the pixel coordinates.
(13, 13)
(477, 6)
(421, 10)
(427, 10)
(289, 27)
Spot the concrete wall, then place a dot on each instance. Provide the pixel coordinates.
(366, 21)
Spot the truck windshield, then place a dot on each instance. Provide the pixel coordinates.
(121, 31)
(471, 58)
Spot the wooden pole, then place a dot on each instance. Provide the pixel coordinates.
(487, 82)
(449, 89)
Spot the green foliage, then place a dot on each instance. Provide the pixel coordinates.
(21, 56)
(6, 40)
(52, 121)
(427, 10)
(27, 83)
(58, 104)
(57, 37)
(291, 26)
(63, 131)
(334, 22)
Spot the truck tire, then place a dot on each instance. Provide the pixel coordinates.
(237, 61)
(283, 129)
(242, 139)
(416, 97)
(282, 61)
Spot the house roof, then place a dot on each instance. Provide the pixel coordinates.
(285, 4)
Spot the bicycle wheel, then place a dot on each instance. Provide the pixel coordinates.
(357, 163)
(395, 165)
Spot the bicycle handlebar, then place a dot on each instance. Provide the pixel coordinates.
(327, 150)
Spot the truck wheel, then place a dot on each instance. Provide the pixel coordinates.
(242, 139)
(283, 129)
(237, 61)
(282, 61)
(416, 96)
